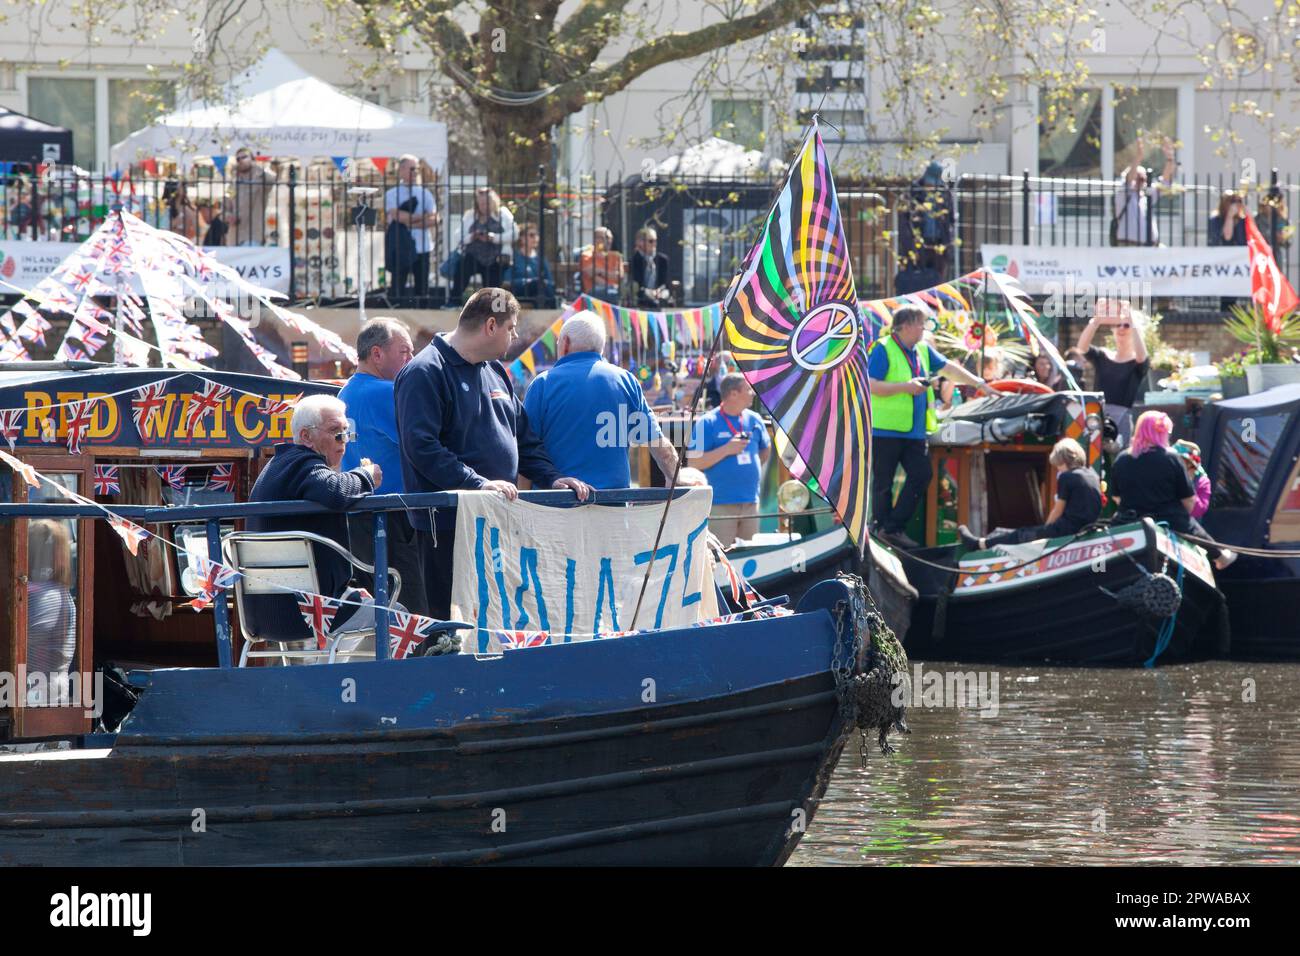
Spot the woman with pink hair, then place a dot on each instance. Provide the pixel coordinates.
(1149, 480)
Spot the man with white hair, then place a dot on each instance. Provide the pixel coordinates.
(308, 469)
(588, 412)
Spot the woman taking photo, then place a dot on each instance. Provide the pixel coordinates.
(1120, 373)
(487, 232)
(1149, 480)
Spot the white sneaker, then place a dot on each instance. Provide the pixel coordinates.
(1225, 558)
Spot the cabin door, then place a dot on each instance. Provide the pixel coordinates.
(53, 607)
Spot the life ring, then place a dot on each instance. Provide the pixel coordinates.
(1021, 386)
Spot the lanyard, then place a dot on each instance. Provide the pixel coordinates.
(727, 421)
(915, 366)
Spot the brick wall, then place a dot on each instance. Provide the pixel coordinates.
(1190, 331)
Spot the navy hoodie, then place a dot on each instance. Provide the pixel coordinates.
(460, 426)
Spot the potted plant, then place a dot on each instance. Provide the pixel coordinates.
(1232, 374)
(1270, 345)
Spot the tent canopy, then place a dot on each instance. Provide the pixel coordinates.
(278, 109)
(27, 140)
(719, 159)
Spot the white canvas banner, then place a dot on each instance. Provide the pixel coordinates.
(573, 574)
(24, 263)
(1127, 272)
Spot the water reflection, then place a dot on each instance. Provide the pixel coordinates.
(1195, 764)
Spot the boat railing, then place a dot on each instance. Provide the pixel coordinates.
(381, 506)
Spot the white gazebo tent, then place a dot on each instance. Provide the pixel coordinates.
(279, 109)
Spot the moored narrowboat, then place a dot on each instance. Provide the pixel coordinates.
(680, 744)
(1252, 456)
(1070, 601)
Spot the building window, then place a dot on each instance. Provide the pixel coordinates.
(1069, 133)
(69, 103)
(740, 121)
(1151, 114)
(134, 104)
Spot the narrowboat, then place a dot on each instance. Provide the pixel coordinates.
(1251, 448)
(674, 746)
(1047, 601)
(1068, 601)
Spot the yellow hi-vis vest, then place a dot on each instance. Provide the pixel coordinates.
(894, 412)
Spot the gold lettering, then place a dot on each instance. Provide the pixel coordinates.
(38, 411)
(280, 422)
(250, 433)
(106, 413)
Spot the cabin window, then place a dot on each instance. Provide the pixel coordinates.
(52, 593)
(1245, 448)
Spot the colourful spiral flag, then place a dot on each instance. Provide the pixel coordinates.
(796, 332)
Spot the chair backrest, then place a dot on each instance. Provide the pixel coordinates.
(274, 564)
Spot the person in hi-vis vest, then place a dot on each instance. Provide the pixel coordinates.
(901, 370)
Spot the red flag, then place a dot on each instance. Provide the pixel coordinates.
(150, 166)
(1269, 288)
(381, 163)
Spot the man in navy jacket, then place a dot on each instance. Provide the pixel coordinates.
(461, 428)
(308, 470)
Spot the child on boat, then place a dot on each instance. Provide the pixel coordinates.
(1077, 503)
(1190, 453)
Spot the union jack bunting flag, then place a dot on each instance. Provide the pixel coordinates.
(72, 353)
(222, 478)
(269, 406)
(147, 406)
(10, 424)
(7, 322)
(81, 279)
(31, 331)
(106, 480)
(216, 578)
(514, 640)
(21, 468)
(405, 631)
(173, 476)
(130, 532)
(204, 401)
(81, 416)
(318, 611)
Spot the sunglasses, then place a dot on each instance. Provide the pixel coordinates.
(1124, 325)
(342, 437)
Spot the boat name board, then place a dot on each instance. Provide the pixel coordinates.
(986, 573)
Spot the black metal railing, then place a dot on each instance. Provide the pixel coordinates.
(333, 241)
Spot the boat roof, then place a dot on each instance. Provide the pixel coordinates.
(1275, 397)
(105, 376)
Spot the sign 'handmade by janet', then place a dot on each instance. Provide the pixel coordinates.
(527, 567)
(796, 332)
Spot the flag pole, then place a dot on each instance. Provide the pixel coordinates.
(699, 388)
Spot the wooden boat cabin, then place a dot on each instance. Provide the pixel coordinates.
(139, 437)
(990, 460)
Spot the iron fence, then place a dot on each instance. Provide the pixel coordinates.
(331, 233)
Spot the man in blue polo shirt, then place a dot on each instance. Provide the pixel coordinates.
(730, 445)
(383, 349)
(900, 374)
(460, 427)
(588, 412)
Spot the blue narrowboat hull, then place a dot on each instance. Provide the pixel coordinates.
(695, 746)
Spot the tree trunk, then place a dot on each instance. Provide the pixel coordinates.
(516, 140)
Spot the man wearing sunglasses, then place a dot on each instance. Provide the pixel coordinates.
(310, 469)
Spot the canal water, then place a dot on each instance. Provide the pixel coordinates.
(1194, 764)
